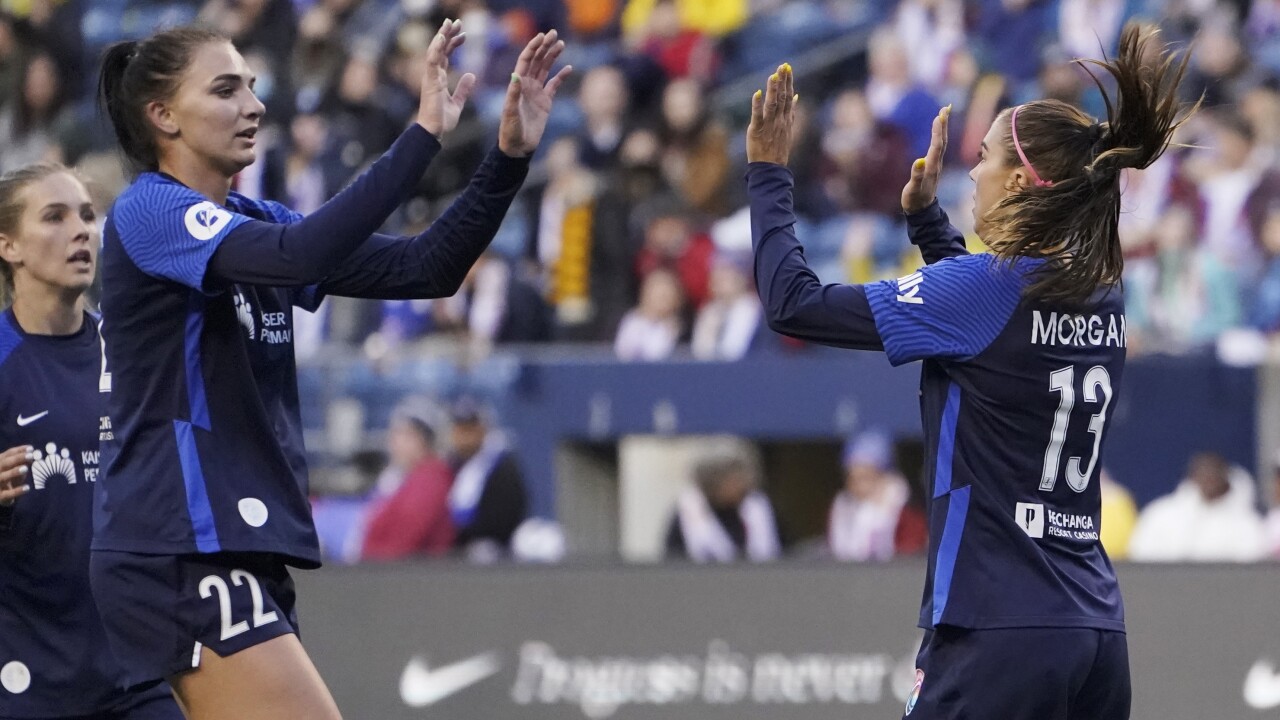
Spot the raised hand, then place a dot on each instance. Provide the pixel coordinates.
(530, 94)
(438, 109)
(14, 466)
(922, 188)
(772, 117)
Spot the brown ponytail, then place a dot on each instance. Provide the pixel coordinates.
(1072, 222)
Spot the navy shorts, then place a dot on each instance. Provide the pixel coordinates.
(159, 610)
(1021, 674)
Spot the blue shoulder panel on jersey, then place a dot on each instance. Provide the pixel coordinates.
(268, 210)
(950, 310)
(169, 230)
(10, 338)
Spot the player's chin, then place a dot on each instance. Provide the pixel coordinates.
(78, 283)
(239, 159)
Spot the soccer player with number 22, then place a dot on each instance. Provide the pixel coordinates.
(1023, 353)
(202, 504)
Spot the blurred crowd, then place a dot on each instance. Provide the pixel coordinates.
(632, 230)
(876, 513)
(632, 233)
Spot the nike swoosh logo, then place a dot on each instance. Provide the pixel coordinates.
(25, 421)
(421, 686)
(1262, 686)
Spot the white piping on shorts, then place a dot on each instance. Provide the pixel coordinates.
(195, 655)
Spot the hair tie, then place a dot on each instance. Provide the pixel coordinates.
(1013, 127)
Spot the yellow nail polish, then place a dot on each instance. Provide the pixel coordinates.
(919, 164)
(795, 98)
(786, 67)
(773, 77)
(757, 95)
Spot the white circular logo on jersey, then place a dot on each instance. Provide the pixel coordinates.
(15, 677)
(254, 511)
(205, 220)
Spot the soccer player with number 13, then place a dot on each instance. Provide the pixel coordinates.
(1023, 353)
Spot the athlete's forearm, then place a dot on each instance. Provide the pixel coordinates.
(309, 250)
(795, 302)
(435, 262)
(931, 231)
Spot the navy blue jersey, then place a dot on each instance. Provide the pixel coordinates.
(1015, 398)
(205, 453)
(54, 659)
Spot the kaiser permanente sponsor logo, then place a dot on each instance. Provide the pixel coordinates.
(601, 686)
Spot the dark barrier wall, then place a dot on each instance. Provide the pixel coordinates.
(1168, 409)
(801, 642)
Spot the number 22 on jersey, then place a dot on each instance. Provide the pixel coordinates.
(1062, 381)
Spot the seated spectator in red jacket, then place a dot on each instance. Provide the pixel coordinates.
(414, 519)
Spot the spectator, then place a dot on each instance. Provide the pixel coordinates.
(605, 98)
(414, 518)
(1228, 173)
(487, 501)
(581, 244)
(894, 96)
(1088, 28)
(1210, 517)
(1010, 36)
(1119, 514)
(934, 30)
(30, 127)
(671, 242)
(865, 160)
(695, 148)
(1184, 296)
(657, 29)
(722, 517)
(358, 113)
(728, 326)
(496, 304)
(870, 519)
(650, 331)
(714, 17)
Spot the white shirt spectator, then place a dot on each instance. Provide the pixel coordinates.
(1184, 526)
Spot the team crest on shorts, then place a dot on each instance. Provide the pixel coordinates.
(915, 691)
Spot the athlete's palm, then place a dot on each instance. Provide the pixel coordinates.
(438, 109)
(922, 188)
(530, 95)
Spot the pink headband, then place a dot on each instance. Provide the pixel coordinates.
(1013, 127)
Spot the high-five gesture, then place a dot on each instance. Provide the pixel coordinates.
(772, 116)
(438, 110)
(529, 96)
(922, 188)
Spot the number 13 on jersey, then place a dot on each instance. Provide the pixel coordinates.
(1063, 382)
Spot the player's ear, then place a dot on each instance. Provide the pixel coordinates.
(1018, 179)
(161, 117)
(9, 251)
